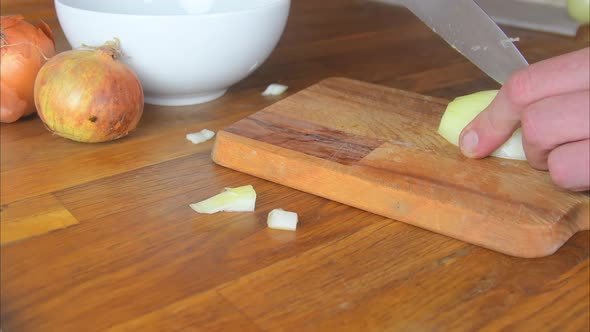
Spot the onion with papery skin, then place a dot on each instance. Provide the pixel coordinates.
(88, 95)
(24, 48)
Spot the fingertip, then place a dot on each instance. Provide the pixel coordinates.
(469, 142)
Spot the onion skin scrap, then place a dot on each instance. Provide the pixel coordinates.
(88, 95)
(24, 49)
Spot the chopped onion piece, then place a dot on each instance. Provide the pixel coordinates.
(201, 136)
(462, 110)
(281, 219)
(275, 90)
(240, 199)
(507, 42)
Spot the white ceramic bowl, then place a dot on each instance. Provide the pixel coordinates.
(184, 51)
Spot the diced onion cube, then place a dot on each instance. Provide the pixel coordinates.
(281, 219)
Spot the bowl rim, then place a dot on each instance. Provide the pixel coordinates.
(271, 4)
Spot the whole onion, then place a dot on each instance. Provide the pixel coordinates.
(24, 48)
(88, 95)
(579, 10)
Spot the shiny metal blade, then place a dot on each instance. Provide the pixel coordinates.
(469, 30)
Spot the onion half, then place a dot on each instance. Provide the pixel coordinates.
(462, 110)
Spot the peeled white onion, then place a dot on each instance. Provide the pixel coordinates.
(579, 10)
(462, 110)
(511, 149)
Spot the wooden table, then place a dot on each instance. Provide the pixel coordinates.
(101, 237)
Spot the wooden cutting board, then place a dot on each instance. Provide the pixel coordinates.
(377, 149)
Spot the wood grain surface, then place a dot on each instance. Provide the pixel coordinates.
(378, 149)
(101, 237)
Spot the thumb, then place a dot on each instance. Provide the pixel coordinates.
(493, 126)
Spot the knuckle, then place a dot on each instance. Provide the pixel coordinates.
(558, 170)
(530, 130)
(519, 87)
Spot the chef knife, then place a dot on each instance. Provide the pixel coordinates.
(469, 30)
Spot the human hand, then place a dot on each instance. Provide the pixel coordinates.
(550, 100)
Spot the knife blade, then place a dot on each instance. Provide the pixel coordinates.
(469, 30)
